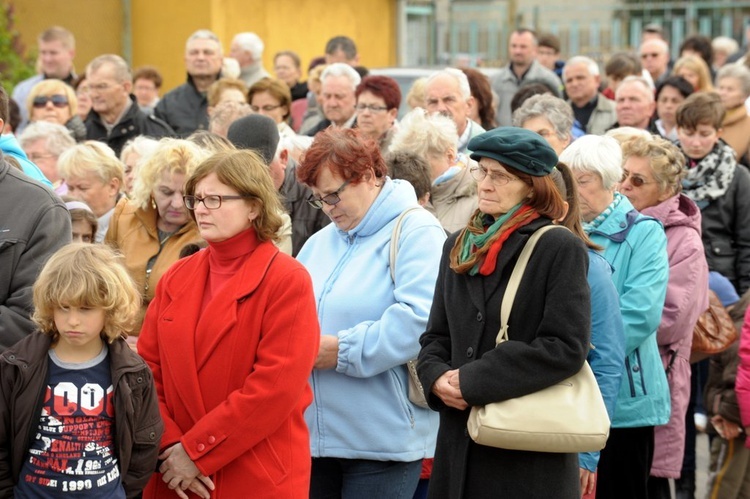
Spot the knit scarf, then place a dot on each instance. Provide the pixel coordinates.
(481, 237)
(709, 178)
(589, 227)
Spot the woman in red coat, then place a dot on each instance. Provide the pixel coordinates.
(231, 337)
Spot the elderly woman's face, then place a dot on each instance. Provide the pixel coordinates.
(731, 93)
(592, 195)
(543, 127)
(354, 200)
(167, 194)
(89, 188)
(226, 221)
(639, 184)
(500, 190)
(373, 116)
(131, 160)
(53, 107)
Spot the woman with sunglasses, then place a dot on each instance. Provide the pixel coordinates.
(636, 247)
(367, 438)
(54, 101)
(231, 338)
(652, 176)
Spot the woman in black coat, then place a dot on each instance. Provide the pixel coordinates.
(549, 324)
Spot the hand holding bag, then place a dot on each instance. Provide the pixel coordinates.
(567, 417)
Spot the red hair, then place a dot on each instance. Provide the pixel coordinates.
(345, 152)
(384, 87)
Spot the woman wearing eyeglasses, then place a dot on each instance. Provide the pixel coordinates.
(152, 227)
(636, 247)
(378, 100)
(367, 438)
(273, 98)
(652, 174)
(549, 327)
(54, 101)
(231, 337)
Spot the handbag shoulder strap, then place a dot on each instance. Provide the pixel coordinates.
(515, 280)
(395, 235)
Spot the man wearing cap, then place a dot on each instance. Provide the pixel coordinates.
(260, 133)
(549, 326)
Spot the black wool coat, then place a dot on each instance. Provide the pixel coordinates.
(549, 332)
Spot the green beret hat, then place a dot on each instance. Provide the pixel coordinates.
(518, 148)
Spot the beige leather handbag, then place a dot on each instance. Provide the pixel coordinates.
(569, 416)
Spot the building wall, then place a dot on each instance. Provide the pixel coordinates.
(96, 24)
(159, 28)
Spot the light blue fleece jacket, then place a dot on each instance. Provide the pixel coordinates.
(10, 146)
(636, 247)
(361, 409)
(607, 355)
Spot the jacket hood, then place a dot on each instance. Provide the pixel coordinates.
(395, 197)
(676, 211)
(460, 186)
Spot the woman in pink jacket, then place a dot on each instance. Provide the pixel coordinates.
(652, 170)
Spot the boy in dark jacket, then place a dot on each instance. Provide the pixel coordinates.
(78, 408)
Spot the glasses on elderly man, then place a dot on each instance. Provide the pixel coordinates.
(635, 179)
(331, 199)
(497, 178)
(57, 100)
(212, 202)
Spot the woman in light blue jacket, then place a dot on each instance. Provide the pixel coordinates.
(607, 354)
(636, 247)
(367, 438)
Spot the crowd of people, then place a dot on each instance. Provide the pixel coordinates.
(231, 289)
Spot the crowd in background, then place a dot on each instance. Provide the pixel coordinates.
(293, 246)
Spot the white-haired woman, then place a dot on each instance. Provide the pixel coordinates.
(132, 153)
(733, 86)
(94, 175)
(153, 226)
(635, 246)
(453, 195)
(44, 142)
(550, 117)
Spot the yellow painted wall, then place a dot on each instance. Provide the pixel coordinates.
(96, 24)
(159, 28)
(159, 34)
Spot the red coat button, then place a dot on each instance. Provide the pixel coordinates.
(201, 447)
(211, 440)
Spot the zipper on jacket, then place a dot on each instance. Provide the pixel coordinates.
(640, 371)
(630, 376)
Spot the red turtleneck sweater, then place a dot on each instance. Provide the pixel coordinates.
(225, 259)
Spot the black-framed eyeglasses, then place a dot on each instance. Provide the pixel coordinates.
(331, 199)
(371, 107)
(479, 173)
(635, 180)
(57, 100)
(212, 202)
(267, 108)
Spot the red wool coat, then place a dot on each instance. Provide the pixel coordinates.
(236, 404)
